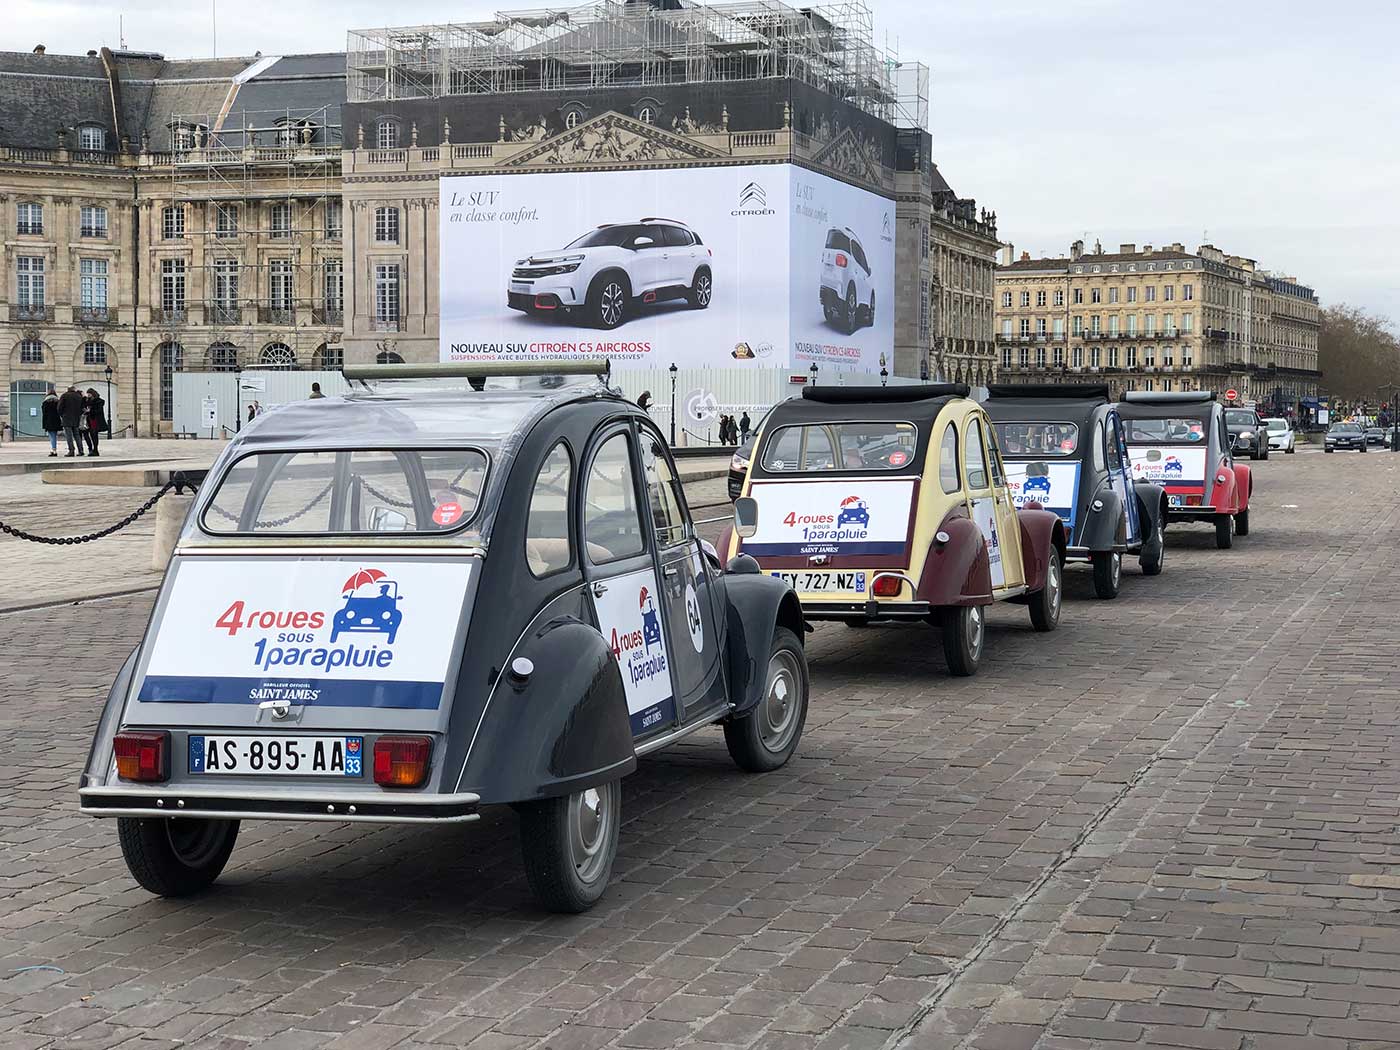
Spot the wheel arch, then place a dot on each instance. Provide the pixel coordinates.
(1041, 532)
(755, 606)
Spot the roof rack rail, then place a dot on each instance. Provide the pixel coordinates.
(588, 366)
(1167, 397)
(1062, 391)
(844, 395)
(660, 218)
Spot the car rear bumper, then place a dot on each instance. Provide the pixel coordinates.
(815, 609)
(220, 804)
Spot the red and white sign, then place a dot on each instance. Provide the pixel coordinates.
(1232, 395)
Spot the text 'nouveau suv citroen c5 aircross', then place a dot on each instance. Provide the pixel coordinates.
(603, 276)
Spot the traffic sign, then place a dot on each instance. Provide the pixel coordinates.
(1231, 395)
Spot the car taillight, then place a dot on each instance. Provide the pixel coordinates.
(402, 761)
(840, 259)
(143, 757)
(888, 587)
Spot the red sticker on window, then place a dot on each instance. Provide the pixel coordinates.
(898, 459)
(447, 513)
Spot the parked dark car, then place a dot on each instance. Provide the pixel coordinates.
(529, 608)
(1345, 436)
(1248, 434)
(1376, 436)
(1066, 452)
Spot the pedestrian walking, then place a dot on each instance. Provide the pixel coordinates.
(744, 424)
(644, 402)
(70, 414)
(252, 410)
(52, 423)
(316, 391)
(95, 416)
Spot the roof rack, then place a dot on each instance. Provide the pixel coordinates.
(660, 218)
(844, 395)
(589, 366)
(1061, 391)
(1164, 397)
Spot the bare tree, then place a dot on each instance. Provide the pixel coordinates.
(1358, 353)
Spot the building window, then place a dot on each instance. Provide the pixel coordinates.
(335, 222)
(333, 290)
(1076, 357)
(1168, 292)
(1188, 322)
(572, 118)
(279, 357)
(1132, 294)
(281, 219)
(923, 320)
(223, 357)
(1040, 357)
(172, 360)
(1079, 297)
(1186, 357)
(1113, 326)
(172, 223)
(1132, 357)
(1149, 356)
(94, 353)
(1188, 292)
(1006, 300)
(1025, 298)
(923, 238)
(1166, 386)
(1113, 357)
(1096, 295)
(1025, 327)
(1094, 324)
(386, 293)
(1095, 357)
(226, 220)
(1150, 292)
(1040, 327)
(328, 359)
(1024, 357)
(646, 114)
(31, 217)
(1059, 297)
(92, 138)
(1059, 356)
(386, 225)
(386, 135)
(1167, 357)
(172, 287)
(31, 352)
(226, 292)
(279, 289)
(1076, 325)
(1113, 294)
(92, 285)
(1006, 357)
(181, 138)
(1169, 325)
(92, 221)
(29, 280)
(1132, 324)
(1059, 328)
(388, 357)
(1040, 298)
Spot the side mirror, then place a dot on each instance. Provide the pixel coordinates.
(745, 516)
(382, 519)
(711, 555)
(642, 242)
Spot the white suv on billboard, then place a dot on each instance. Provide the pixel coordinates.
(848, 293)
(603, 275)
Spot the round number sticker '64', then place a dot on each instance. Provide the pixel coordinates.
(693, 619)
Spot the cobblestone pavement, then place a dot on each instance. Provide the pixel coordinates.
(1173, 822)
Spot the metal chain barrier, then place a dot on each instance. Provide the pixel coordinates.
(384, 496)
(176, 481)
(277, 523)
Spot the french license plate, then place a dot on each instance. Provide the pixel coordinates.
(293, 756)
(824, 582)
(519, 286)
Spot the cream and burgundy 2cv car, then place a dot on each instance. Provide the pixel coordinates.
(892, 503)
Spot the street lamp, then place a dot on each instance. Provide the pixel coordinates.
(108, 373)
(673, 370)
(237, 397)
(884, 375)
(814, 373)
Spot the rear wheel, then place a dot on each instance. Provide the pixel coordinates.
(1154, 551)
(1364, 448)
(765, 738)
(870, 310)
(852, 319)
(701, 291)
(175, 857)
(1224, 531)
(1108, 573)
(964, 630)
(569, 844)
(1045, 603)
(1242, 523)
(829, 312)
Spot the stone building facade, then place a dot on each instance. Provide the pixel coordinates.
(962, 291)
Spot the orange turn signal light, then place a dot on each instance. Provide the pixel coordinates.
(143, 757)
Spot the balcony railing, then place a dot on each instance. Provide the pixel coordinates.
(169, 315)
(30, 312)
(93, 231)
(327, 315)
(93, 315)
(34, 228)
(276, 315)
(223, 313)
(386, 324)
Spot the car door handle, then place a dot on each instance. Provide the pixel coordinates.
(599, 589)
(671, 570)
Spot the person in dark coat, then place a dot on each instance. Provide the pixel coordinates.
(52, 423)
(70, 414)
(95, 416)
(644, 401)
(744, 424)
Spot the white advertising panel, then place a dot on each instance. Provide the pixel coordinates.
(748, 265)
(630, 620)
(329, 633)
(843, 518)
(984, 514)
(1175, 467)
(1055, 486)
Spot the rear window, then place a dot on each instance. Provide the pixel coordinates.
(840, 446)
(1276, 426)
(838, 241)
(1241, 418)
(1170, 431)
(1037, 439)
(345, 491)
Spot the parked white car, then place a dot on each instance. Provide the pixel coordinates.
(847, 293)
(1280, 435)
(603, 276)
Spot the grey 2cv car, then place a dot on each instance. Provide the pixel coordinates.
(409, 603)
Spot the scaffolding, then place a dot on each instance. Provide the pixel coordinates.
(257, 194)
(614, 43)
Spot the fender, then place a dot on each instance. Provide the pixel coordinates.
(1225, 495)
(530, 744)
(958, 572)
(1104, 529)
(99, 760)
(1244, 486)
(1152, 505)
(1040, 531)
(755, 605)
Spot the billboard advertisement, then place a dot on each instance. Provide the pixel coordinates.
(770, 265)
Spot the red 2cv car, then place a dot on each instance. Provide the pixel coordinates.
(891, 503)
(1180, 441)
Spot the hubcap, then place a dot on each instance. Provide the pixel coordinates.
(975, 623)
(590, 819)
(195, 841)
(778, 712)
(1116, 568)
(702, 291)
(1052, 584)
(612, 303)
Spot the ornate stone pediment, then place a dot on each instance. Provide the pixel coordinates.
(852, 155)
(611, 138)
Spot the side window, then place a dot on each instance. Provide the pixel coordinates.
(547, 546)
(994, 453)
(948, 460)
(975, 457)
(663, 494)
(676, 237)
(1122, 442)
(656, 233)
(1222, 435)
(1111, 452)
(612, 526)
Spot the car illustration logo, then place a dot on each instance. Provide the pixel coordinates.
(853, 512)
(1039, 483)
(1172, 465)
(371, 604)
(753, 194)
(651, 623)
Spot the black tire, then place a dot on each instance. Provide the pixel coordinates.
(852, 310)
(964, 630)
(1265, 457)
(1108, 573)
(765, 738)
(829, 312)
(1045, 604)
(701, 289)
(1289, 450)
(1254, 454)
(1364, 449)
(1224, 531)
(1328, 451)
(569, 845)
(870, 311)
(608, 300)
(1154, 550)
(1242, 523)
(175, 857)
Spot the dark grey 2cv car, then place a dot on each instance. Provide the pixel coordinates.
(525, 609)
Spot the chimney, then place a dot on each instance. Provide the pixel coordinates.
(38, 49)
(1177, 247)
(1098, 246)
(1147, 249)
(1025, 256)
(1008, 253)
(1127, 249)
(1076, 249)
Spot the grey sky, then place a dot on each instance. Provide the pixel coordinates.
(1270, 125)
